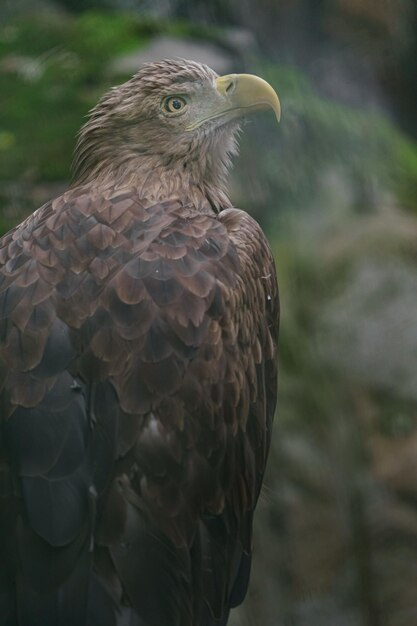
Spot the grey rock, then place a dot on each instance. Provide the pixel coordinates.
(165, 47)
(240, 40)
(370, 331)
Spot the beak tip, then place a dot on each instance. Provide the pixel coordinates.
(276, 106)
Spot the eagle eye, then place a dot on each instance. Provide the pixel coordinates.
(174, 104)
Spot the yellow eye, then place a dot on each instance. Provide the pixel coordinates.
(174, 104)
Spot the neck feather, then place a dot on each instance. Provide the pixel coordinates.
(197, 177)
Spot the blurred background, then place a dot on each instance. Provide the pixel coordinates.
(335, 188)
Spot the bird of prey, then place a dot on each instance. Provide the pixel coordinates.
(138, 329)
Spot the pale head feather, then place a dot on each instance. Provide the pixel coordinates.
(128, 141)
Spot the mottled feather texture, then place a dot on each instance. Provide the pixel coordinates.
(138, 385)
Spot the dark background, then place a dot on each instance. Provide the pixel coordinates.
(335, 187)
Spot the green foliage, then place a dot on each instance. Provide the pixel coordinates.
(99, 37)
(52, 70)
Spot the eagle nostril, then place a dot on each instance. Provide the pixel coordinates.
(230, 87)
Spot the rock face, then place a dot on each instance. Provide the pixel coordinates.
(368, 330)
(371, 328)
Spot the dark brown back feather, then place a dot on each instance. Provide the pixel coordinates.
(138, 385)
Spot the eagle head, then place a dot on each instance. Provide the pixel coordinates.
(172, 114)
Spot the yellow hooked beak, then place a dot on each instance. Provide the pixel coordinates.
(246, 93)
(236, 95)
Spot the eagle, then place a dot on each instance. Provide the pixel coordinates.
(138, 340)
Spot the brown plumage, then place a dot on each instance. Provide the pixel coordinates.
(138, 324)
